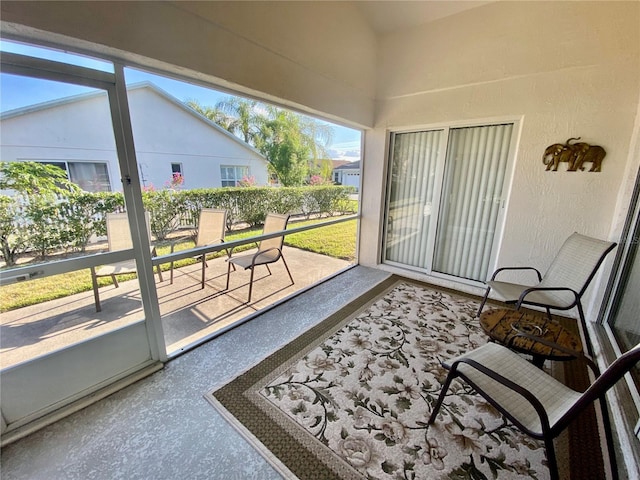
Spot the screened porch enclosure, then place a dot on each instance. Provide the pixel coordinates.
(72, 332)
(446, 198)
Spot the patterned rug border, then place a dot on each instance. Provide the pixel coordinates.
(230, 400)
(257, 426)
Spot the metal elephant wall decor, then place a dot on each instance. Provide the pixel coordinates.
(575, 155)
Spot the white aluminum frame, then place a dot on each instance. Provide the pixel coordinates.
(516, 121)
(40, 379)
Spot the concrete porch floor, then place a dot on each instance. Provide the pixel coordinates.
(162, 427)
(188, 311)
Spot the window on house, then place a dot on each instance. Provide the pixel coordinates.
(231, 175)
(176, 168)
(89, 176)
(444, 202)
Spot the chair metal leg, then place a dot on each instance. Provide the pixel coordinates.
(443, 393)
(549, 314)
(484, 300)
(228, 257)
(159, 270)
(287, 267)
(250, 284)
(228, 274)
(551, 458)
(96, 295)
(585, 332)
(204, 264)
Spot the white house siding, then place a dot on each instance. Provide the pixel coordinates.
(79, 131)
(164, 133)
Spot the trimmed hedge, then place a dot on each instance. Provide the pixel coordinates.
(35, 224)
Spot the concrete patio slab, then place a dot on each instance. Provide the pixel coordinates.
(188, 311)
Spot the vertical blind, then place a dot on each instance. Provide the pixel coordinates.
(452, 234)
(413, 181)
(472, 192)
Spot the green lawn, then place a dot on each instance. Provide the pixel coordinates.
(337, 241)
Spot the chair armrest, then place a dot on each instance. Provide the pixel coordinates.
(493, 277)
(228, 250)
(182, 239)
(260, 252)
(544, 289)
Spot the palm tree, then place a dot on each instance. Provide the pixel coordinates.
(281, 141)
(318, 136)
(212, 113)
(291, 142)
(244, 119)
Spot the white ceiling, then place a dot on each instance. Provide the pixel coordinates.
(389, 16)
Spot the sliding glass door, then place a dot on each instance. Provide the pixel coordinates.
(445, 198)
(414, 192)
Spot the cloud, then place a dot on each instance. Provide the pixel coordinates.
(345, 151)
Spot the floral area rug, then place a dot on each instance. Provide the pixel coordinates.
(352, 396)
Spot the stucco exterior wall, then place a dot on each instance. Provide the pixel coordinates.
(567, 69)
(163, 134)
(318, 56)
(79, 131)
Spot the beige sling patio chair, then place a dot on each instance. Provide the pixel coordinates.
(534, 401)
(212, 225)
(269, 250)
(565, 282)
(118, 238)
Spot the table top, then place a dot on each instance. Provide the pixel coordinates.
(502, 325)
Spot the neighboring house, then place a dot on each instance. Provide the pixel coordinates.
(170, 138)
(347, 174)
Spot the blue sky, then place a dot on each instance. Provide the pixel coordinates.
(17, 92)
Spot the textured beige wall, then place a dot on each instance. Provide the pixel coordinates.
(568, 69)
(315, 55)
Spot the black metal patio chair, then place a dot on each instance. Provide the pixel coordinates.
(533, 400)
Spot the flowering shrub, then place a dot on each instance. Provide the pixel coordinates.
(247, 181)
(175, 182)
(317, 180)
